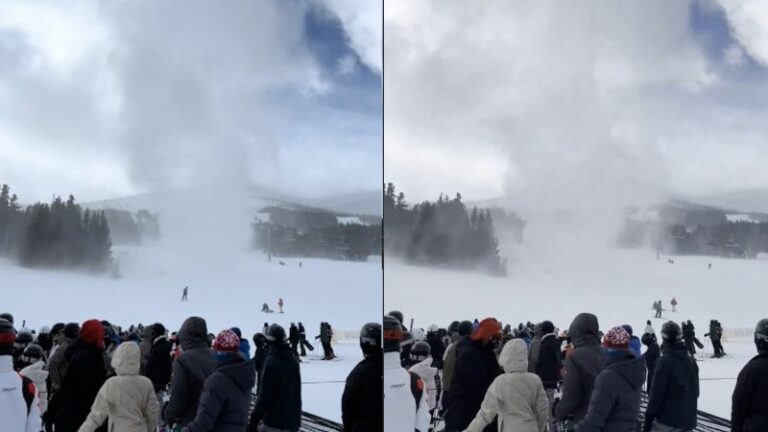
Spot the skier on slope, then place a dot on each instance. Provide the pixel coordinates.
(303, 343)
(674, 304)
(715, 335)
(280, 304)
(749, 410)
(184, 294)
(19, 404)
(405, 399)
(361, 408)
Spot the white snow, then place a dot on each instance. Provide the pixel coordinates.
(739, 218)
(619, 286)
(227, 291)
(348, 220)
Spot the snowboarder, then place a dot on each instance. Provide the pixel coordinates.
(657, 306)
(689, 335)
(674, 304)
(184, 294)
(749, 410)
(300, 264)
(715, 334)
(280, 304)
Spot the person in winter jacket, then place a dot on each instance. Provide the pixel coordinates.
(715, 335)
(294, 338)
(517, 397)
(651, 356)
(533, 353)
(245, 346)
(189, 372)
(158, 367)
(421, 365)
(463, 331)
(749, 411)
(672, 402)
(84, 377)
(145, 346)
(128, 399)
(44, 339)
(615, 401)
(436, 347)
(549, 363)
(689, 336)
(476, 368)
(405, 401)
(279, 403)
(361, 403)
(19, 404)
(581, 368)
(57, 363)
(23, 339)
(225, 400)
(303, 343)
(260, 342)
(35, 369)
(635, 345)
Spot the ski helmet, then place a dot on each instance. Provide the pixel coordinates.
(32, 353)
(393, 334)
(453, 328)
(275, 333)
(259, 340)
(420, 351)
(465, 328)
(398, 316)
(24, 337)
(7, 337)
(761, 335)
(6, 316)
(418, 335)
(671, 332)
(370, 338)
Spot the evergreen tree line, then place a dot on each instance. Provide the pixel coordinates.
(59, 234)
(443, 232)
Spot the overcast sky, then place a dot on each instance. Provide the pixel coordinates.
(105, 99)
(575, 103)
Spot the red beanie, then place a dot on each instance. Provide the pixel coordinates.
(488, 329)
(227, 341)
(616, 338)
(92, 333)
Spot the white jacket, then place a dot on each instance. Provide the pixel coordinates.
(128, 399)
(13, 408)
(425, 370)
(400, 413)
(517, 397)
(38, 375)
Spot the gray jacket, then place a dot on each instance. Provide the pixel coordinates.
(190, 371)
(581, 367)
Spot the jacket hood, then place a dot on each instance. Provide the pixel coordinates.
(36, 371)
(514, 356)
(584, 330)
(674, 349)
(125, 359)
(632, 370)
(193, 334)
(241, 373)
(424, 369)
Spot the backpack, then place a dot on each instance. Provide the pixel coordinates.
(417, 388)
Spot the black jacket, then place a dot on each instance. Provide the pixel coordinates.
(226, 397)
(279, 402)
(159, 364)
(362, 404)
(750, 397)
(549, 362)
(582, 366)
(651, 357)
(190, 371)
(258, 360)
(615, 402)
(85, 375)
(476, 368)
(437, 349)
(293, 335)
(675, 390)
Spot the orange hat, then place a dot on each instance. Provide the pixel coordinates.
(488, 330)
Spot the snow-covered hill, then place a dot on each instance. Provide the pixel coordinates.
(227, 291)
